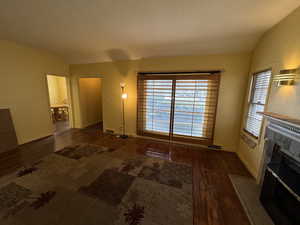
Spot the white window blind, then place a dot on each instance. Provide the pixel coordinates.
(258, 97)
(157, 110)
(177, 106)
(195, 102)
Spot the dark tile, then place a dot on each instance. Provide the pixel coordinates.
(110, 187)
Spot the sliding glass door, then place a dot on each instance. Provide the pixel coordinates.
(179, 107)
(158, 94)
(189, 113)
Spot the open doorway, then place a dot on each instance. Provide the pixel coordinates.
(59, 103)
(90, 100)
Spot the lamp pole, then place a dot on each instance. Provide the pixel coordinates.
(124, 96)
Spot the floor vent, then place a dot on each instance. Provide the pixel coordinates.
(215, 147)
(108, 131)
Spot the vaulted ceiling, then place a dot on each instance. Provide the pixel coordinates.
(85, 31)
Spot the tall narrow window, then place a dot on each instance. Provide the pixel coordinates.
(257, 101)
(178, 106)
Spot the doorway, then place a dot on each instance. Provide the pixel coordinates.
(59, 103)
(90, 101)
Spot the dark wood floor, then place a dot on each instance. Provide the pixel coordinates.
(215, 201)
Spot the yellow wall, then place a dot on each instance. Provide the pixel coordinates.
(57, 90)
(90, 96)
(232, 89)
(23, 88)
(278, 49)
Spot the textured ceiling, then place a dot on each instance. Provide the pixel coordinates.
(85, 31)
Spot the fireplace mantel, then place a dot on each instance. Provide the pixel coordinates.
(284, 119)
(284, 125)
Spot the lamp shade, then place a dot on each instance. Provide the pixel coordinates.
(286, 77)
(124, 96)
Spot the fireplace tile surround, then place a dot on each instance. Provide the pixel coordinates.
(283, 131)
(280, 173)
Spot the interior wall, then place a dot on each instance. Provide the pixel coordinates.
(63, 90)
(23, 88)
(278, 49)
(90, 96)
(232, 89)
(57, 90)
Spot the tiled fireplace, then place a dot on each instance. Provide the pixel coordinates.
(280, 194)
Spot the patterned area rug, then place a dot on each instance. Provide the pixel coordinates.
(94, 185)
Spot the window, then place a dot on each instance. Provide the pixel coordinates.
(257, 101)
(180, 107)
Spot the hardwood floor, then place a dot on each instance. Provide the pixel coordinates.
(215, 200)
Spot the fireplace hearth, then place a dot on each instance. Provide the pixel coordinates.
(280, 192)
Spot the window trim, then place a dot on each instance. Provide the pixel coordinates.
(250, 98)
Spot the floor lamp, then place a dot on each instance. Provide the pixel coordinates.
(124, 97)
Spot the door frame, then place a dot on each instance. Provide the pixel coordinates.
(76, 97)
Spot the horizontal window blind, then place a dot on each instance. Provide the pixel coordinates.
(176, 106)
(195, 102)
(259, 93)
(157, 108)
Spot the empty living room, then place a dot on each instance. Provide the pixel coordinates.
(160, 112)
